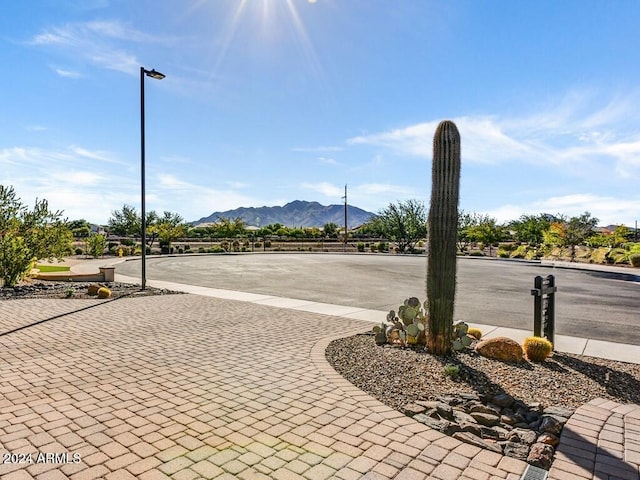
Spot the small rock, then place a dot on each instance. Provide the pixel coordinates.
(531, 417)
(445, 411)
(440, 425)
(549, 439)
(412, 409)
(551, 424)
(534, 407)
(472, 428)
(480, 408)
(558, 411)
(516, 450)
(503, 400)
(521, 435)
(478, 442)
(486, 419)
(491, 433)
(508, 419)
(540, 455)
(463, 417)
(452, 428)
(500, 348)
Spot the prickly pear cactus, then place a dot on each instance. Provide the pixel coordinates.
(408, 327)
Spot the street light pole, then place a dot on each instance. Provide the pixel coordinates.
(346, 227)
(143, 215)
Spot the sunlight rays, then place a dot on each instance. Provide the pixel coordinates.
(271, 26)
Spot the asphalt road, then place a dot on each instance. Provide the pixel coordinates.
(589, 304)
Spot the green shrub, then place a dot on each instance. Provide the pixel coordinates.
(201, 250)
(617, 256)
(451, 370)
(599, 255)
(258, 245)
(503, 253)
(374, 247)
(634, 259)
(383, 247)
(507, 246)
(520, 251)
(360, 247)
(476, 253)
(267, 244)
(79, 251)
(96, 244)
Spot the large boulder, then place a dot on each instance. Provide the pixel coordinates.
(500, 348)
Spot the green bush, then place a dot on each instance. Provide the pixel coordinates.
(201, 250)
(360, 247)
(502, 253)
(373, 247)
(507, 247)
(598, 255)
(634, 259)
(79, 251)
(476, 253)
(617, 256)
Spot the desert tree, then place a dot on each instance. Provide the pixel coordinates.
(27, 236)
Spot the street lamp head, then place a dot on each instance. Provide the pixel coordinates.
(154, 74)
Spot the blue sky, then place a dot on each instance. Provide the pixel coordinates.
(269, 101)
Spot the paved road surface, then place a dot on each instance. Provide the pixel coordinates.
(589, 304)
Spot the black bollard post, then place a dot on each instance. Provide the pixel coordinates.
(537, 306)
(550, 314)
(544, 307)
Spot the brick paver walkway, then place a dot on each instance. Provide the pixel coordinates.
(188, 387)
(601, 441)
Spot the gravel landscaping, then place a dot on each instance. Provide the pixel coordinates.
(399, 376)
(75, 290)
(513, 409)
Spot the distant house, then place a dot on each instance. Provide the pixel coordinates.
(99, 229)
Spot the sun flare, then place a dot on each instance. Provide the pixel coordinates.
(261, 24)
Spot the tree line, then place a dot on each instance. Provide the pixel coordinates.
(27, 235)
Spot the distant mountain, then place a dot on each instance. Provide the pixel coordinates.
(298, 213)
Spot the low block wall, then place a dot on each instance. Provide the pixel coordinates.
(107, 274)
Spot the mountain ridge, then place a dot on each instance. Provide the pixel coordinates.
(298, 213)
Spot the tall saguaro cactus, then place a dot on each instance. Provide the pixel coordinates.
(443, 232)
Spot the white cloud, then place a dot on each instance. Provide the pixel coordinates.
(104, 44)
(574, 132)
(609, 210)
(328, 161)
(67, 73)
(317, 149)
(324, 188)
(369, 196)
